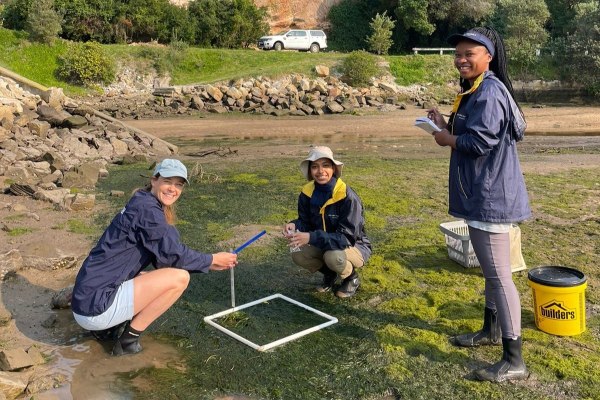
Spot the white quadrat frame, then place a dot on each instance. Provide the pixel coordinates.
(210, 320)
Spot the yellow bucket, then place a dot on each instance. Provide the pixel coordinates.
(558, 299)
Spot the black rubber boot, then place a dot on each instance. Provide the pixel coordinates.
(349, 285)
(128, 342)
(490, 334)
(329, 278)
(510, 368)
(111, 333)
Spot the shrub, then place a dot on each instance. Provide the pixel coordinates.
(86, 64)
(359, 67)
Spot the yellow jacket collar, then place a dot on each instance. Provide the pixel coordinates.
(339, 191)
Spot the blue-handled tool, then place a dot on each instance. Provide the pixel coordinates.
(249, 242)
(242, 247)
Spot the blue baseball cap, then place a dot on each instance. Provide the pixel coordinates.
(473, 36)
(169, 168)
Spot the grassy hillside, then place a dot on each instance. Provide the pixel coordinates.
(189, 65)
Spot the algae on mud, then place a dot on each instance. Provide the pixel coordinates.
(393, 336)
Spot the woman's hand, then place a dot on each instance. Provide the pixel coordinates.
(437, 118)
(299, 239)
(223, 261)
(288, 230)
(444, 138)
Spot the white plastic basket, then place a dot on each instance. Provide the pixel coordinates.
(458, 243)
(461, 250)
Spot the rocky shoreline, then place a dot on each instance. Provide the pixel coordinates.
(293, 95)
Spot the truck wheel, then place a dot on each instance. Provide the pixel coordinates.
(314, 48)
(278, 46)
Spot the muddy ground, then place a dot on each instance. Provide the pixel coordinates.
(79, 367)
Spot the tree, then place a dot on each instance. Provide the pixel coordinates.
(380, 40)
(350, 24)
(14, 14)
(522, 25)
(85, 20)
(43, 22)
(562, 17)
(228, 23)
(583, 48)
(244, 24)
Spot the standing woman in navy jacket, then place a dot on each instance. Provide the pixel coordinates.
(329, 232)
(112, 296)
(486, 187)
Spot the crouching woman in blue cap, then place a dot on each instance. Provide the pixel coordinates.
(329, 233)
(112, 296)
(486, 187)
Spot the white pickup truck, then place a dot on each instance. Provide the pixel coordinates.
(295, 39)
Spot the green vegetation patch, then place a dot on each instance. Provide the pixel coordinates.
(19, 231)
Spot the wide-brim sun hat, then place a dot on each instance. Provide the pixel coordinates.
(473, 36)
(316, 153)
(169, 168)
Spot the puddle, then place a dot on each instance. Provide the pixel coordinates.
(93, 374)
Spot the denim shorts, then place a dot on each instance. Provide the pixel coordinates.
(121, 310)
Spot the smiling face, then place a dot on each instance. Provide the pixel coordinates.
(167, 190)
(471, 59)
(322, 170)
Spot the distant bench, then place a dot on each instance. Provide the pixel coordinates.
(416, 50)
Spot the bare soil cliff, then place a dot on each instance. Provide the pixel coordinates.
(302, 14)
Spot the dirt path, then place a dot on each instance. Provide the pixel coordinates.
(27, 295)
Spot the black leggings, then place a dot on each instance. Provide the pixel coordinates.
(493, 253)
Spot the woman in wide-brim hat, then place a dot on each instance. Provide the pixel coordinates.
(329, 234)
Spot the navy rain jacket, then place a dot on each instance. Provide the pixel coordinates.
(339, 223)
(137, 237)
(485, 180)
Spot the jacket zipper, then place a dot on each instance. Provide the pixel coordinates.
(460, 183)
(462, 189)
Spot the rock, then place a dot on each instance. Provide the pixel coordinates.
(161, 81)
(11, 385)
(160, 146)
(217, 109)
(83, 201)
(5, 316)
(334, 107)
(14, 359)
(54, 97)
(214, 92)
(322, 70)
(120, 148)
(52, 196)
(36, 355)
(117, 193)
(39, 128)
(45, 382)
(62, 299)
(388, 87)
(197, 103)
(51, 115)
(10, 261)
(234, 93)
(75, 121)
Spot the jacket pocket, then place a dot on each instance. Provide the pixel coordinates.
(462, 184)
